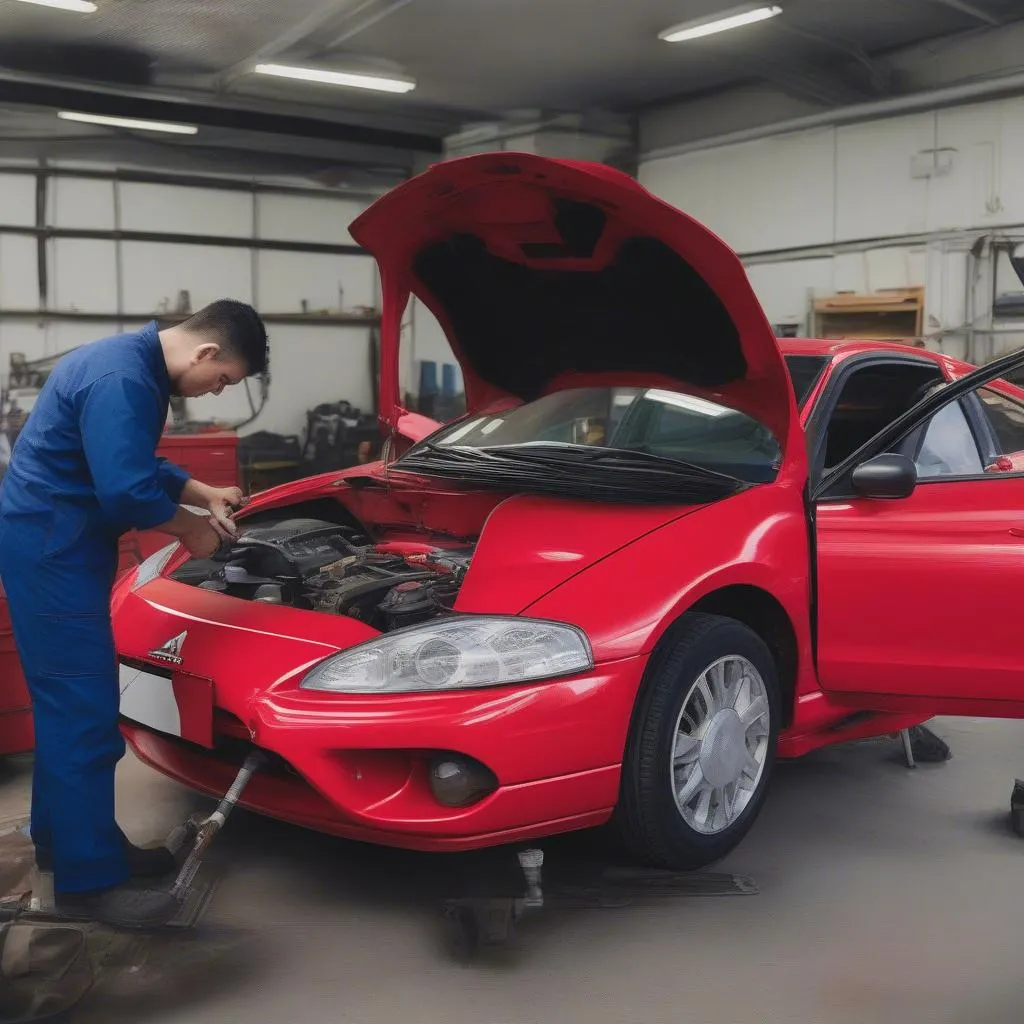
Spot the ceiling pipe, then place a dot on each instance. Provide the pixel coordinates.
(932, 99)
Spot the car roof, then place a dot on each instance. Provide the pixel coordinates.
(836, 350)
(840, 348)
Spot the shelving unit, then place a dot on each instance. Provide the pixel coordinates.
(893, 315)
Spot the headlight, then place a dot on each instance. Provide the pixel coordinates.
(456, 654)
(153, 566)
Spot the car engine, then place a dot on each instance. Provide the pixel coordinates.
(321, 566)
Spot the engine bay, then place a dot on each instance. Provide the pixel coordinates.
(316, 565)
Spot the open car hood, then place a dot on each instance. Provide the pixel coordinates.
(544, 273)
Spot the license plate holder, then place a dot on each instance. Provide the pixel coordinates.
(175, 703)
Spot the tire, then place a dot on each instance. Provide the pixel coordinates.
(649, 818)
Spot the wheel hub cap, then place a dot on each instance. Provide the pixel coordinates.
(721, 744)
(723, 750)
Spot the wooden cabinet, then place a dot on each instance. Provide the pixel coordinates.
(892, 315)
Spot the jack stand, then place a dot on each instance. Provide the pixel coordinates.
(921, 744)
(473, 923)
(1017, 807)
(531, 861)
(908, 748)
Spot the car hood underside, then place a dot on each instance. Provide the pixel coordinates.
(545, 272)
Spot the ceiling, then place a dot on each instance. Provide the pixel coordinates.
(473, 61)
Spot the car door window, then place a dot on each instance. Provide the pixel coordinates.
(871, 397)
(948, 447)
(1006, 417)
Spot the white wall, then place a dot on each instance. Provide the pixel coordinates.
(309, 364)
(848, 214)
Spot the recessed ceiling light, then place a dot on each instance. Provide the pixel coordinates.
(79, 6)
(735, 18)
(350, 79)
(128, 122)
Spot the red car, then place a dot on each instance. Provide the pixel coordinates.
(658, 551)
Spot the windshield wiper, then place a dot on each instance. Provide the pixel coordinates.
(600, 473)
(558, 456)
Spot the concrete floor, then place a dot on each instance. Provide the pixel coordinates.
(885, 895)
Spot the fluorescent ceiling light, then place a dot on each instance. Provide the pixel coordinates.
(79, 6)
(722, 23)
(351, 79)
(128, 122)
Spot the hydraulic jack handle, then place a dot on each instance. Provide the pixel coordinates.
(214, 823)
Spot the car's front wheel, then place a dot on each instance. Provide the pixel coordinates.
(701, 747)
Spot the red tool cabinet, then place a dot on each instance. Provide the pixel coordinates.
(15, 710)
(209, 457)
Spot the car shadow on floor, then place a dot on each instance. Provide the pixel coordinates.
(825, 799)
(286, 885)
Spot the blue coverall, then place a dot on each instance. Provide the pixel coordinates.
(83, 471)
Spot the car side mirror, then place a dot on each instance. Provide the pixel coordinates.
(885, 476)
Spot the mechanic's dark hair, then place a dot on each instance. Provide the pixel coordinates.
(241, 331)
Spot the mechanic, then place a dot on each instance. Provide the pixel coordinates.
(83, 471)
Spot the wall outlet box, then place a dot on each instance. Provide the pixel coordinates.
(931, 163)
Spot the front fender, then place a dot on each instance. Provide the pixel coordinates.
(627, 601)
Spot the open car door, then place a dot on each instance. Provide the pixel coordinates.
(919, 575)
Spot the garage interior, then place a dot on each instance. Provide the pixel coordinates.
(866, 163)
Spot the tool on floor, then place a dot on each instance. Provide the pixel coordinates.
(472, 923)
(192, 892)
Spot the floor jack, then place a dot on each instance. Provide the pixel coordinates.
(473, 923)
(191, 889)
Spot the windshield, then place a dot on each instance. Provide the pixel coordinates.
(647, 421)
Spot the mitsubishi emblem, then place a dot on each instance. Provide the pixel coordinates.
(170, 651)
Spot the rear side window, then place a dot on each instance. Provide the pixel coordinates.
(1007, 419)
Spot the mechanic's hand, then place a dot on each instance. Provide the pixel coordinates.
(222, 502)
(201, 539)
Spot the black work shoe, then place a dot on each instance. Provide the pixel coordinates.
(120, 907)
(142, 863)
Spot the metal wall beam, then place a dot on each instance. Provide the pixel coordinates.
(167, 238)
(804, 84)
(14, 89)
(929, 100)
(298, 319)
(190, 181)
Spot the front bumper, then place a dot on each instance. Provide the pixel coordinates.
(357, 767)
